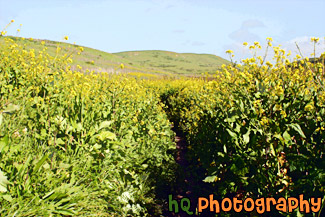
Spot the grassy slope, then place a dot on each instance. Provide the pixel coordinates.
(157, 62)
(181, 63)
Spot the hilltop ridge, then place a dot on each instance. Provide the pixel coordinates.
(145, 61)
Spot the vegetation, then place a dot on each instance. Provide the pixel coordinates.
(179, 63)
(74, 143)
(150, 62)
(258, 130)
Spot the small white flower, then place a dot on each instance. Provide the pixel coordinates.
(16, 134)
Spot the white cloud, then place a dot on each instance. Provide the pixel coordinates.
(244, 33)
(198, 43)
(305, 45)
(252, 24)
(178, 31)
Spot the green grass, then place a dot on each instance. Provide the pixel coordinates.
(151, 61)
(179, 63)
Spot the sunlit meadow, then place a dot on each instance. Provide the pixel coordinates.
(78, 143)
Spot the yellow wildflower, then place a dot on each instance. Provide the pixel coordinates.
(283, 113)
(269, 64)
(313, 39)
(309, 107)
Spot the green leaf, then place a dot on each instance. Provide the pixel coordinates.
(79, 127)
(278, 136)
(46, 166)
(1, 118)
(237, 129)
(43, 133)
(65, 212)
(210, 179)
(7, 197)
(272, 150)
(233, 168)
(106, 135)
(221, 154)
(97, 146)
(286, 136)
(59, 141)
(4, 141)
(299, 213)
(24, 167)
(105, 124)
(40, 163)
(232, 119)
(3, 182)
(241, 106)
(246, 137)
(48, 194)
(145, 166)
(225, 148)
(11, 108)
(257, 95)
(298, 129)
(64, 165)
(232, 134)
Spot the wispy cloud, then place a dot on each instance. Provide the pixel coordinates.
(252, 24)
(244, 33)
(178, 31)
(169, 7)
(198, 43)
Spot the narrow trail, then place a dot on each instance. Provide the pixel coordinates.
(187, 185)
(185, 182)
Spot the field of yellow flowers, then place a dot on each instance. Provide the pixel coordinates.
(98, 144)
(75, 144)
(257, 130)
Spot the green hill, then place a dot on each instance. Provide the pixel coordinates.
(152, 61)
(179, 63)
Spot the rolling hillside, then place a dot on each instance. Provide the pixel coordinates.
(152, 61)
(179, 63)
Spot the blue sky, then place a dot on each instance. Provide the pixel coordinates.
(196, 26)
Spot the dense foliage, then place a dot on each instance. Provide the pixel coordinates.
(97, 144)
(76, 144)
(258, 129)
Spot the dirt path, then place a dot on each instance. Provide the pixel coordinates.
(184, 185)
(188, 184)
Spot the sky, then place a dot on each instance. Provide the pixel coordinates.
(184, 26)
